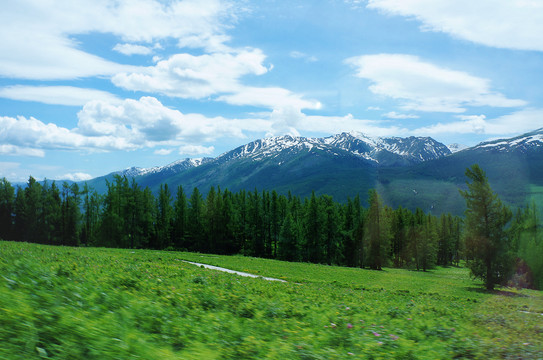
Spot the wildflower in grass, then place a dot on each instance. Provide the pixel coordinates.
(380, 342)
(333, 325)
(409, 319)
(375, 333)
(349, 326)
(393, 337)
(347, 308)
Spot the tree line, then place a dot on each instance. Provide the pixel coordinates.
(266, 224)
(255, 223)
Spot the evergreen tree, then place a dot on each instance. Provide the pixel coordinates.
(376, 233)
(288, 240)
(275, 221)
(487, 242)
(313, 244)
(415, 232)
(7, 202)
(31, 232)
(19, 221)
(398, 237)
(91, 212)
(332, 232)
(195, 228)
(51, 222)
(164, 217)
(179, 219)
(349, 246)
(70, 214)
(428, 243)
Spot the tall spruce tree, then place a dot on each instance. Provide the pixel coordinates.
(487, 241)
(7, 201)
(376, 233)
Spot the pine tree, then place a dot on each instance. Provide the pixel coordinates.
(398, 236)
(313, 221)
(7, 202)
(332, 232)
(487, 241)
(179, 219)
(195, 227)
(164, 217)
(376, 233)
(288, 240)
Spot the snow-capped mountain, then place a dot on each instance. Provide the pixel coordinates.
(170, 169)
(390, 150)
(523, 143)
(347, 164)
(386, 151)
(378, 151)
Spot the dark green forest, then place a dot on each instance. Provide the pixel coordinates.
(255, 223)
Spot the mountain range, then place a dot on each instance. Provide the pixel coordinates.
(411, 172)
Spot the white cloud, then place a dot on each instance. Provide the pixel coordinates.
(36, 36)
(511, 124)
(395, 115)
(512, 24)
(423, 86)
(163, 151)
(58, 95)
(29, 136)
(148, 123)
(132, 49)
(270, 97)
(14, 150)
(123, 125)
(78, 176)
(191, 150)
(195, 77)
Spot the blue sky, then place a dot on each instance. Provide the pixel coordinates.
(92, 86)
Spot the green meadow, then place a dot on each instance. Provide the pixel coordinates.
(98, 303)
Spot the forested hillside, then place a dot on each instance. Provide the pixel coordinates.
(263, 224)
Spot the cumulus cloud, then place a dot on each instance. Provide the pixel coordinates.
(36, 37)
(511, 24)
(196, 77)
(29, 136)
(57, 95)
(123, 125)
(423, 86)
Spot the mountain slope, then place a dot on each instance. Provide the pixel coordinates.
(411, 172)
(513, 166)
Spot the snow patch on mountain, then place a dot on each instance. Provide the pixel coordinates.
(380, 150)
(526, 142)
(455, 147)
(171, 168)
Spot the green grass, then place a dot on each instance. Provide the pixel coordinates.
(92, 303)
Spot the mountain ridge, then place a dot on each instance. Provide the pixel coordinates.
(347, 164)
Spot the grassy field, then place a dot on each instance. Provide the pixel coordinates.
(93, 303)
